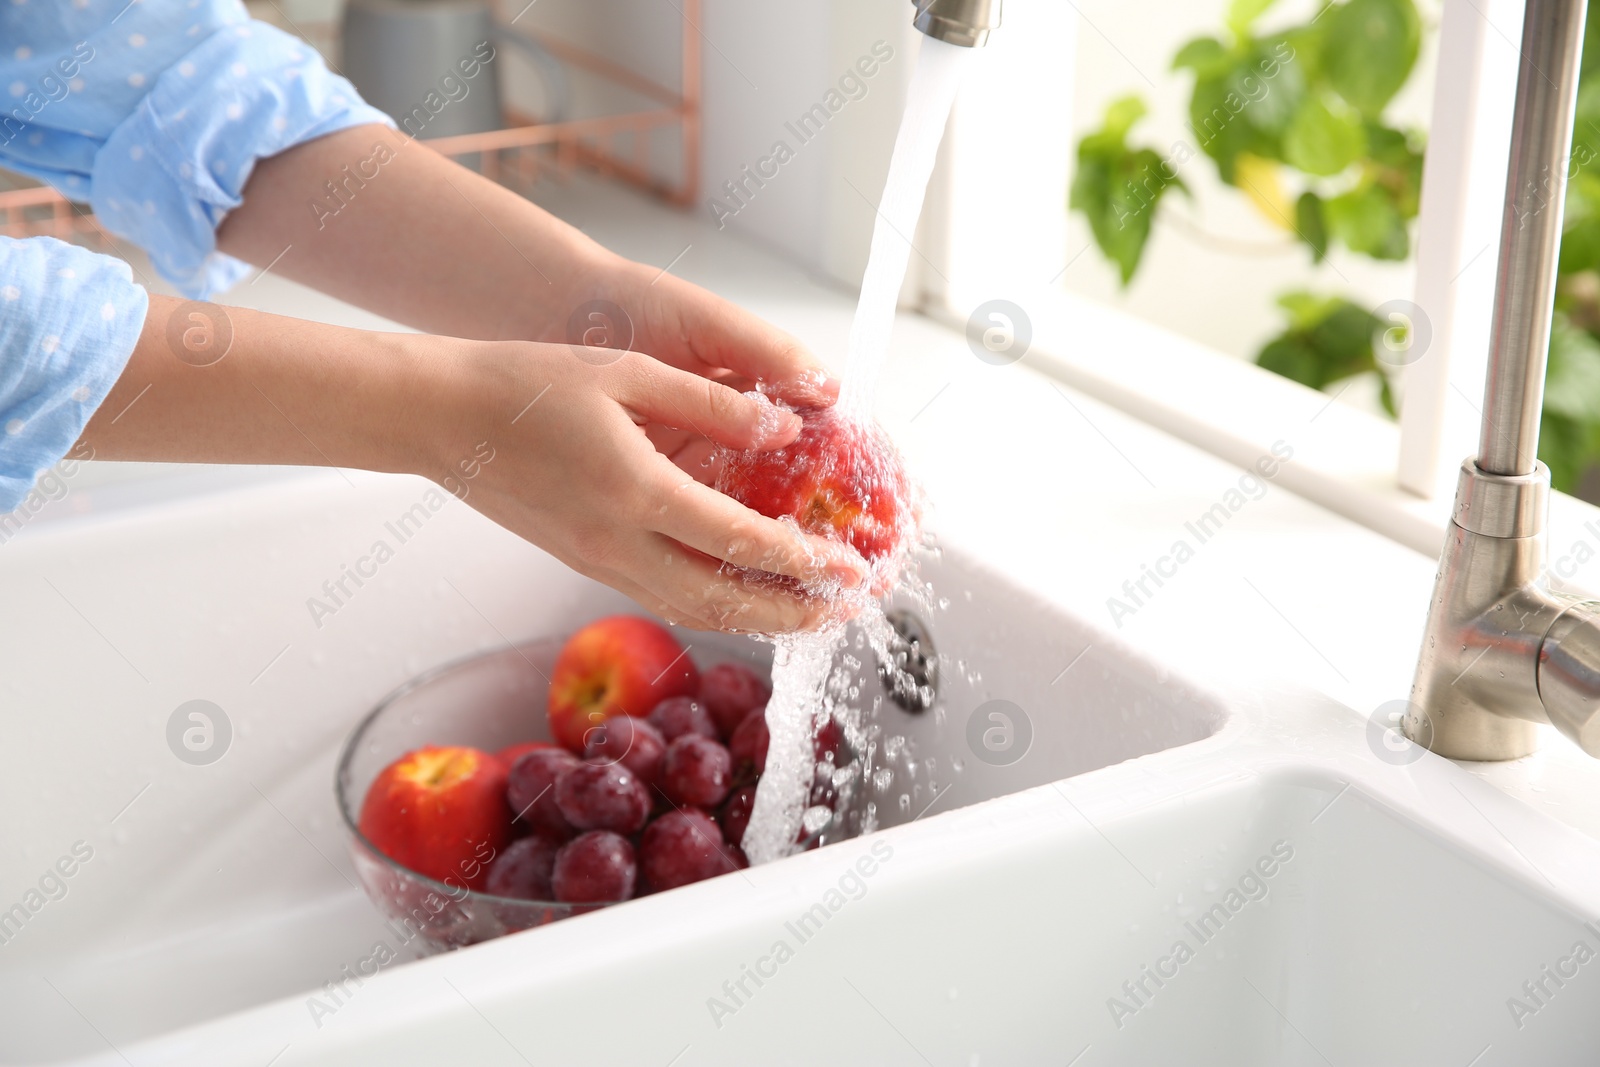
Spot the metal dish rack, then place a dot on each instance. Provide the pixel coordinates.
(616, 146)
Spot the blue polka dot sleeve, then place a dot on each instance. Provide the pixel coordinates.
(69, 319)
(153, 112)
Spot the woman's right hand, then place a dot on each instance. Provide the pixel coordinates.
(576, 473)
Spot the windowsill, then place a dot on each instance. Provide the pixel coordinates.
(1344, 459)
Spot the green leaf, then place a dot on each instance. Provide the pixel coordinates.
(1306, 309)
(1293, 358)
(1244, 106)
(1311, 225)
(1569, 432)
(1242, 14)
(1367, 221)
(1301, 46)
(1118, 188)
(1386, 397)
(1202, 55)
(1583, 195)
(1591, 48)
(1389, 147)
(1398, 166)
(1345, 340)
(1273, 88)
(1369, 50)
(1565, 447)
(1572, 383)
(1586, 122)
(1323, 140)
(1122, 113)
(1328, 339)
(1580, 247)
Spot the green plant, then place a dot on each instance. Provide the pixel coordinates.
(1328, 340)
(1569, 433)
(1294, 119)
(1302, 105)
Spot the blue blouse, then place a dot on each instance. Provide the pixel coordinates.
(154, 113)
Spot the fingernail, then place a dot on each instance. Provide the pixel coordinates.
(851, 573)
(786, 427)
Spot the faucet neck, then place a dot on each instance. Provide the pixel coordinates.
(1530, 235)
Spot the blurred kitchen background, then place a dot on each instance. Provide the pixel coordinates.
(1153, 156)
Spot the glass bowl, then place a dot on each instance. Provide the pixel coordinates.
(488, 702)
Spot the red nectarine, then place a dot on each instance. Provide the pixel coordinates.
(441, 812)
(842, 479)
(622, 665)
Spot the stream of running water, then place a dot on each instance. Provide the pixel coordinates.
(801, 662)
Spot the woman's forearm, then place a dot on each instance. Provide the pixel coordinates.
(230, 385)
(557, 441)
(386, 223)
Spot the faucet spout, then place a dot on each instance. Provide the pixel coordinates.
(960, 22)
(1502, 652)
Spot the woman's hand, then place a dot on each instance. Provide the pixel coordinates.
(442, 249)
(622, 303)
(578, 472)
(445, 250)
(574, 470)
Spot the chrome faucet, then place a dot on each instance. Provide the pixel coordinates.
(1502, 652)
(962, 22)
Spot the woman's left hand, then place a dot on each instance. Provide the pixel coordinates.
(622, 304)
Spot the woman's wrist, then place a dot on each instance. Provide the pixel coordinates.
(553, 306)
(458, 400)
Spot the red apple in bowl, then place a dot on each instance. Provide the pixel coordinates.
(621, 665)
(440, 811)
(841, 478)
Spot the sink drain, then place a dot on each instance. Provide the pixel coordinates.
(910, 671)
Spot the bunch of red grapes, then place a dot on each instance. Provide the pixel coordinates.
(620, 805)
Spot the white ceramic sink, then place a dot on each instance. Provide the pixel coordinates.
(216, 888)
(1406, 901)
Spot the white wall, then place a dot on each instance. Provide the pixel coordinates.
(794, 54)
(764, 63)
